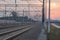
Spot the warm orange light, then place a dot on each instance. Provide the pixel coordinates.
(55, 13)
(53, 5)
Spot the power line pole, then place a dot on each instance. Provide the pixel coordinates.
(5, 10)
(15, 6)
(28, 7)
(23, 16)
(43, 16)
(49, 18)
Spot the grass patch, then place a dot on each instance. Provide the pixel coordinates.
(54, 34)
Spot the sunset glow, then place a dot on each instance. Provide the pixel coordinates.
(53, 5)
(55, 10)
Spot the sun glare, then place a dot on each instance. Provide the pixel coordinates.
(53, 5)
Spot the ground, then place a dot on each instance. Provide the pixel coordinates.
(32, 34)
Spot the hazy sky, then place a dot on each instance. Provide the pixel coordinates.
(55, 9)
(36, 7)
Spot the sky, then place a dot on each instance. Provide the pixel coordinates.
(36, 7)
(55, 9)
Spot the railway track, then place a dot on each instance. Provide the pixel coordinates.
(11, 32)
(7, 25)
